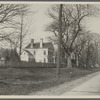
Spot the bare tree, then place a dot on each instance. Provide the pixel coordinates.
(8, 18)
(72, 24)
(86, 49)
(22, 15)
(18, 27)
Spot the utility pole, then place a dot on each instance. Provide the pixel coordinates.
(59, 41)
(21, 32)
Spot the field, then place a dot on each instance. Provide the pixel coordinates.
(22, 81)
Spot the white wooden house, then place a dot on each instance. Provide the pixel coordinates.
(39, 52)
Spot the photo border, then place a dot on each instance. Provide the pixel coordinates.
(24, 97)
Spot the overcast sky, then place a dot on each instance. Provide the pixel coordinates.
(40, 20)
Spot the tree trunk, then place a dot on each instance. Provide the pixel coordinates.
(21, 32)
(69, 63)
(88, 55)
(77, 60)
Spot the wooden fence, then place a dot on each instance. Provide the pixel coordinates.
(29, 64)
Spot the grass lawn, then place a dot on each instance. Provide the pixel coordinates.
(22, 81)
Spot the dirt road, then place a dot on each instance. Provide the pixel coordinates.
(67, 87)
(90, 87)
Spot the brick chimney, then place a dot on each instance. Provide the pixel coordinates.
(32, 43)
(41, 43)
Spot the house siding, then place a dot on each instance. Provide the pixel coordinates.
(37, 53)
(24, 56)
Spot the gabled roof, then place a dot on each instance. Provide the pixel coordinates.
(37, 45)
(29, 52)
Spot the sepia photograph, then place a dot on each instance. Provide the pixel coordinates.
(50, 49)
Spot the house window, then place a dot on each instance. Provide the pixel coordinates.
(44, 60)
(44, 52)
(50, 53)
(34, 52)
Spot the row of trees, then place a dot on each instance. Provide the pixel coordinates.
(75, 38)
